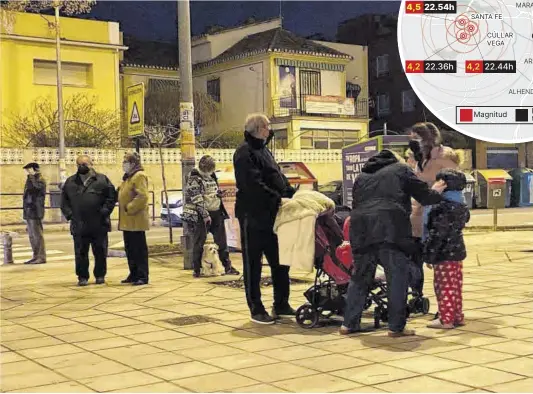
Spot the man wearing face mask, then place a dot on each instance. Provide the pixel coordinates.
(261, 189)
(205, 212)
(87, 200)
(33, 211)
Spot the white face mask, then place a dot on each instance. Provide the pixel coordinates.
(126, 167)
(206, 174)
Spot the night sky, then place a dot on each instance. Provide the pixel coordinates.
(155, 20)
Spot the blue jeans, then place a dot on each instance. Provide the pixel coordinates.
(396, 265)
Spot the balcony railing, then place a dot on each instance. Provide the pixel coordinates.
(323, 106)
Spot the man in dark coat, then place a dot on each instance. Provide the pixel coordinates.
(380, 233)
(87, 200)
(33, 211)
(261, 189)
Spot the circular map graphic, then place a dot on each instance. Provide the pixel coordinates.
(471, 64)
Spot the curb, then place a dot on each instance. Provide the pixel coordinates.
(499, 228)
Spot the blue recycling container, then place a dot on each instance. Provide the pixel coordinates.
(522, 189)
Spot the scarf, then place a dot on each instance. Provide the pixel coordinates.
(450, 195)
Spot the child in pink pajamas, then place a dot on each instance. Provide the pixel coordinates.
(445, 250)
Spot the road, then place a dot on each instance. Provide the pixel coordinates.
(60, 248)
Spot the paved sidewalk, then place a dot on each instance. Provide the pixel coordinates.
(57, 337)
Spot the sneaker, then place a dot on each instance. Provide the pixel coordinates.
(232, 271)
(129, 279)
(461, 323)
(262, 318)
(286, 311)
(38, 262)
(399, 334)
(140, 282)
(347, 331)
(100, 281)
(439, 325)
(29, 261)
(83, 282)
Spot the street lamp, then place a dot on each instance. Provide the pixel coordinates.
(62, 163)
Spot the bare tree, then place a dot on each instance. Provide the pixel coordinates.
(86, 125)
(162, 137)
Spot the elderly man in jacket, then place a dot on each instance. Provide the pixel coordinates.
(33, 211)
(261, 188)
(87, 200)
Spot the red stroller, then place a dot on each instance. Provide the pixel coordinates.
(334, 265)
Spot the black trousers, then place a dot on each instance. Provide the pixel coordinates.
(396, 266)
(98, 243)
(254, 243)
(137, 254)
(218, 230)
(416, 279)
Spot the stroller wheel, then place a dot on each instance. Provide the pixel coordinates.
(307, 316)
(425, 305)
(412, 305)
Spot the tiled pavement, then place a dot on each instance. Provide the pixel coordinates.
(57, 337)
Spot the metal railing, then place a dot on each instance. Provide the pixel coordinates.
(291, 106)
(58, 196)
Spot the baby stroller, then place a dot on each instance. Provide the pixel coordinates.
(334, 265)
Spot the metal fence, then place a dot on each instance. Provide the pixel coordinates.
(54, 202)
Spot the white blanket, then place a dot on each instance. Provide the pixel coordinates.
(295, 227)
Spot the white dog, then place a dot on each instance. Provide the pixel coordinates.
(211, 264)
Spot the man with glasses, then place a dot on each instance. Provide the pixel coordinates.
(261, 189)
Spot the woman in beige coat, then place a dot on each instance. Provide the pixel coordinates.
(134, 218)
(431, 157)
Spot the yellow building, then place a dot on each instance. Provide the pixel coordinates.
(302, 85)
(90, 55)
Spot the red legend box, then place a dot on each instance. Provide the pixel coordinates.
(466, 115)
(474, 66)
(414, 66)
(414, 7)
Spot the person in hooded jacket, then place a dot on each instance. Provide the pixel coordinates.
(261, 189)
(380, 233)
(445, 250)
(33, 211)
(87, 201)
(204, 210)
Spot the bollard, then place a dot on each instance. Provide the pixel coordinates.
(8, 248)
(495, 219)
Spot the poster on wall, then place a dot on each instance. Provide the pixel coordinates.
(287, 86)
(353, 159)
(329, 105)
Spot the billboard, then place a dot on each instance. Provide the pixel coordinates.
(353, 159)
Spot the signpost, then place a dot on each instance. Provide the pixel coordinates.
(135, 108)
(496, 198)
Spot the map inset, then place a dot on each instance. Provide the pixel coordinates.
(471, 64)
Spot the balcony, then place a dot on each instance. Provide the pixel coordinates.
(322, 106)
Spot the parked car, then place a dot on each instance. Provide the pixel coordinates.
(175, 202)
(332, 190)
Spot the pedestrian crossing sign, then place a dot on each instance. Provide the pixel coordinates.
(135, 108)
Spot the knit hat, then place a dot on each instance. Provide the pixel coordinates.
(455, 180)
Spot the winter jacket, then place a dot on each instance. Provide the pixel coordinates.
(34, 195)
(194, 208)
(260, 183)
(133, 205)
(382, 203)
(88, 206)
(441, 157)
(445, 241)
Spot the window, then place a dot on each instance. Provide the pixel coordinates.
(408, 101)
(382, 65)
(310, 83)
(327, 139)
(383, 104)
(505, 158)
(213, 89)
(73, 74)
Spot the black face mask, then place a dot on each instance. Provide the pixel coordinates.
(83, 169)
(415, 146)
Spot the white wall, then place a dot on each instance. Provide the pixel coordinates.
(357, 69)
(242, 91)
(201, 52)
(331, 83)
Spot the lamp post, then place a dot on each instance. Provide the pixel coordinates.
(61, 121)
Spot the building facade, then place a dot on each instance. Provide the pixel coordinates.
(90, 55)
(300, 84)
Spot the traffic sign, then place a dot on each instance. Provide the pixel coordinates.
(135, 95)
